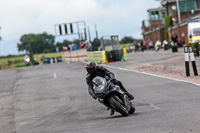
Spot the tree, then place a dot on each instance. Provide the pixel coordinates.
(95, 44)
(168, 23)
(37, 43)
(127, 39)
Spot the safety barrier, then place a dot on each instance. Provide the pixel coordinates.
(83, 55)
(76, 55)
(107, 56)
(97, 56)
(189, 53)
(124, 53)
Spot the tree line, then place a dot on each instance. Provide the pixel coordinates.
(45, 43)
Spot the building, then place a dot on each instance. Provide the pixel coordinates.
(188, 9)
(155, 30)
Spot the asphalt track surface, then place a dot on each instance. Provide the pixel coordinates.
(54, 99)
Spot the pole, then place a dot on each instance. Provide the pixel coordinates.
(89, 33)
(96, 31)
(179, 16)
(187, 68)
(78, 41)
(193, 62)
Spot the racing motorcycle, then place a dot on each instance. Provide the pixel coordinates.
(27, 61)
(112, 95)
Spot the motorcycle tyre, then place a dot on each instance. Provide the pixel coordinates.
(118, 107)
(132, 110)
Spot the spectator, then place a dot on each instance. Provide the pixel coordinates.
(88, 45)
(157, 45)
(136, 45)
(174, 38)
(150, 44)
(165, 44)
(179, 43)
(141, 45)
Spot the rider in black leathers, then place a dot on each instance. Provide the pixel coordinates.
(93, 71)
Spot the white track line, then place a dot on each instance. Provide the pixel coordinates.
(153, 75)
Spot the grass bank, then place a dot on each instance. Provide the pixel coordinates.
(14, 61)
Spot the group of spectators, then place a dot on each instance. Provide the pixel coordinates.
(137, 46)
(74, 46)
(155, 45)
(175, 42)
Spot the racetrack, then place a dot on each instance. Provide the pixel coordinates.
(54, 99)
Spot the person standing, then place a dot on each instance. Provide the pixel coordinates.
(136, 45)
(141, 45)
(157, 45)
(150, 44)
(174, 38)
(165, 44)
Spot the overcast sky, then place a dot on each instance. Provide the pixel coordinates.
(119, 17)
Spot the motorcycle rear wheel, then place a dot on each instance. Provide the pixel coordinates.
(118, 106)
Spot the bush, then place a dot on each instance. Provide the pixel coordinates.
(9, 62)
(168, 23)
(17, 61)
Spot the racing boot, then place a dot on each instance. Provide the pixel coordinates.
(112, 112)
(130, 96)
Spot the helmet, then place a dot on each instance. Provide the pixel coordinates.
(90, 66)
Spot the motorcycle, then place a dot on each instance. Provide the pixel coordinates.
(27, 61)
(109, 93)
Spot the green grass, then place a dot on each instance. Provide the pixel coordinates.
(125, 45)
(19, 60)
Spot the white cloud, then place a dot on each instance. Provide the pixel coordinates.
(20, 17)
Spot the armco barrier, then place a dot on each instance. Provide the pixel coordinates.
(75, 56)
(97, 56)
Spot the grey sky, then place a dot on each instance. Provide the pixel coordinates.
(19, 17)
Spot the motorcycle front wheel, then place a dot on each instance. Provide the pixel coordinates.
(132, 110)
(117, 104)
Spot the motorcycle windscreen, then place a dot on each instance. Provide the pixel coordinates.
(99, 84)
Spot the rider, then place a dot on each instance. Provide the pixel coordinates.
(93, 71)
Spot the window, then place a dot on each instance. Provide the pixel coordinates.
(163, 14)
(182, 6)
(198, 4)
(152, 16)
(196, 32)
(190, 5)
(157, 15)
(185, 6)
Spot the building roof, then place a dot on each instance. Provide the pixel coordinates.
(186, 21)
(156, 9)
(193, 17)
(164, 2)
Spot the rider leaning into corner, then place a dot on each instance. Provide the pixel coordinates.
(93, 71)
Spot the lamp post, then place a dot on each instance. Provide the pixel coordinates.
(179, 15)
